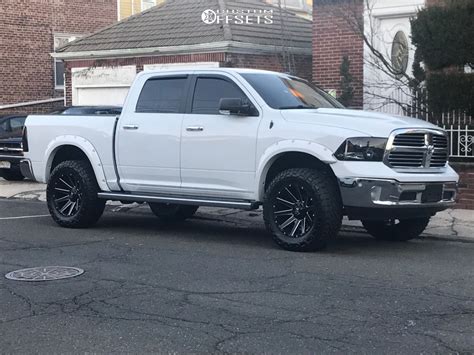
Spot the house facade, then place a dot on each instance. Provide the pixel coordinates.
(127, 8)
(302, 8)
(100, 68)
(30, 79)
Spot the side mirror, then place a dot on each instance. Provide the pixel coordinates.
(235, 106)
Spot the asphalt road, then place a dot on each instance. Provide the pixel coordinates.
(210, 285)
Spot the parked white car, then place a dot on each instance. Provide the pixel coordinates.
(244, 138)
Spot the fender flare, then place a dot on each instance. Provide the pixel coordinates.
(288, 146)
(86, 147)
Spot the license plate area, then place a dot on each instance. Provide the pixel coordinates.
(5, 165)
(432, 193)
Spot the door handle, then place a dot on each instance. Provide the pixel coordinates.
(130, 126)
(195, 129)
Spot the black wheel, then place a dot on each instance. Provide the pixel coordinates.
(302, 209)
(72, 195)
(168, 212)
(396, 229)
(13, 174)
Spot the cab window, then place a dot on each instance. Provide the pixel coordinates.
(162, 95)
(209, 91)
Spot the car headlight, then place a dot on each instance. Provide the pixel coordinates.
(362, 149)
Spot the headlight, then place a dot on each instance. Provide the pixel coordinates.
(362, 149)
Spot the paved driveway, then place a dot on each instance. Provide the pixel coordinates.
(218, 284)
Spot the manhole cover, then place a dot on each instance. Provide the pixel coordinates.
(46, 273)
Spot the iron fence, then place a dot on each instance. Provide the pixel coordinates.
(461, 140)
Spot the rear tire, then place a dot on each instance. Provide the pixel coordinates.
(302, 209)
(171, 213)
(13, 174)
(396, 230)
(72, 195)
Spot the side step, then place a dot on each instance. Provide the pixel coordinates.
(180, 200)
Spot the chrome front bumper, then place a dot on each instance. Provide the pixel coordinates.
(386, 193)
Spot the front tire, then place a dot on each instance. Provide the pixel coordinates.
(395, 229)
(72, 195)
(171, 213)
(302, 209)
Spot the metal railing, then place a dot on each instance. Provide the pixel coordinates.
(461, 140)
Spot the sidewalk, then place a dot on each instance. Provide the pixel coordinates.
(25, 189)
(449, 225)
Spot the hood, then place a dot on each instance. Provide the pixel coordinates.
(372, 124)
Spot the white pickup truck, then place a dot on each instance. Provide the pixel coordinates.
(242, 138)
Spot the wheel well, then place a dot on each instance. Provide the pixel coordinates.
(296, 160)
(68, 152)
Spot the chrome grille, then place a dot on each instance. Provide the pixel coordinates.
(10, 148)
(440, 142)
(406, 159)
(410, 140)
(417, 149)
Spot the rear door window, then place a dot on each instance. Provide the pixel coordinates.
(163, 95)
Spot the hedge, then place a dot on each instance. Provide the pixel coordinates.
(447, 92)
(444, 36)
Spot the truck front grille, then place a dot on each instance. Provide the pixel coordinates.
(10, 148)
(417, 149)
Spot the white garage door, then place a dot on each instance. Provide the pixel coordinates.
(101, 86)
(110, 85)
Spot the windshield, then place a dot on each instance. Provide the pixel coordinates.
(284, 93)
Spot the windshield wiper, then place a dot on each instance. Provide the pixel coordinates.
(297, 107)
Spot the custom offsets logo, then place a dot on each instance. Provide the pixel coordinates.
(238, 17)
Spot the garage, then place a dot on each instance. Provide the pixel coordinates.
(110, 85)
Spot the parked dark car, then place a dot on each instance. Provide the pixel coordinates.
(91, 110)
(11, 149)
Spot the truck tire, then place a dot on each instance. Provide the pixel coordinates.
(72, 195)
(13, 174)
(302, 209)
(396, 230)
(171, 213)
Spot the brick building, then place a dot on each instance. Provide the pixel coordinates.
(101, 67)
(29, 32)
(333, 38)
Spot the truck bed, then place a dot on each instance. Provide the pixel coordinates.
(47, 132)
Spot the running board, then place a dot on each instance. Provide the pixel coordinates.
(239, 204)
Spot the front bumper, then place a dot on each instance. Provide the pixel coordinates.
(387, 193)
(27, 169)
(13, 159)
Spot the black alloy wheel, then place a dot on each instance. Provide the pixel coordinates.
(293, 210)
(302, 209)
(72, 195)
(67, 194)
